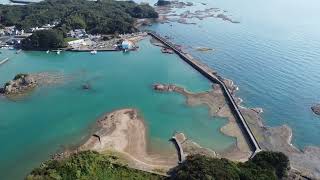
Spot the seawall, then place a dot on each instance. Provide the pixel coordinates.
(213, 77)
(4, 61)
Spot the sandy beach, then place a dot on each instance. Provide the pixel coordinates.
(124, 131)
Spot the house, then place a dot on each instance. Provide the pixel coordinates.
(9, 30)
(37, 29)
(77, 33)
(48, 26)
(126, 45)
(77, 42)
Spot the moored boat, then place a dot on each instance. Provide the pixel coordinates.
(93, 52)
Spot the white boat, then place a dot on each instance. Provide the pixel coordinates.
(48, 52)
(58, 52)
(17, 52)
(93, 52)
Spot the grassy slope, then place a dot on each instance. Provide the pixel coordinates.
(88, 165)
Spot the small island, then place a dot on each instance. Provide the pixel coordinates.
(20, 84)
(24, 83)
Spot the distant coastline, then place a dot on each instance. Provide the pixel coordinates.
(21, 1)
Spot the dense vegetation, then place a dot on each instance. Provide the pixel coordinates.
(44, 40)
(104, 16)
(264, 166)
(91, 165)
(88, 165)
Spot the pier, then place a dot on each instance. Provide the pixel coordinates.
(177, 144)
(4, 61)
(215, 78)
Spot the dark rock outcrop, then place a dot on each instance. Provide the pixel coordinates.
(316, 109)
(86, 86)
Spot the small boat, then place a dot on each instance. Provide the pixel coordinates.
(47, 52)
(58, 52)
(93, 52)
(17, 52)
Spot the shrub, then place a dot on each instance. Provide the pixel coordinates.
(275, 161)
(264, 166)
(88, 165)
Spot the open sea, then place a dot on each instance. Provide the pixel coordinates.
(273, 55)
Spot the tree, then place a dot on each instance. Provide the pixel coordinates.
(106, 16)
(75, 22)
(265, 165)
(88, 165)
(44, 40)
(202, 167)
(275, 161)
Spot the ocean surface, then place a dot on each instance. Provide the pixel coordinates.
(61, 115)
(273, 55)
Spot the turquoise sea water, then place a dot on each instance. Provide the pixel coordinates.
(61, 115)
(273, 55)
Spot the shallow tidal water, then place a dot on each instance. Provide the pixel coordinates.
(61, 115)
(273, 55)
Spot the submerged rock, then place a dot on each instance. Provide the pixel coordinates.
(316, 109)
(203, 49)
(164, 87)
(86, 86)
(167, 50)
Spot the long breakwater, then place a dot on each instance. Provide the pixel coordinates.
(4, 61)
(213, 77)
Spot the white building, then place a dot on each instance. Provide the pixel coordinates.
(77, 42)
(126, 44)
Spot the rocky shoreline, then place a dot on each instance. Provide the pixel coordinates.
(22, 84)
(167, 13)
(306, 161)
(218, 106)
(123, 131)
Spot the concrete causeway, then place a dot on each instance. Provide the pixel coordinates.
(213, 77)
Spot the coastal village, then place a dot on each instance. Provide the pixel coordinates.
(77, 40)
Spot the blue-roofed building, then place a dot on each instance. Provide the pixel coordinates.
(126, 45)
